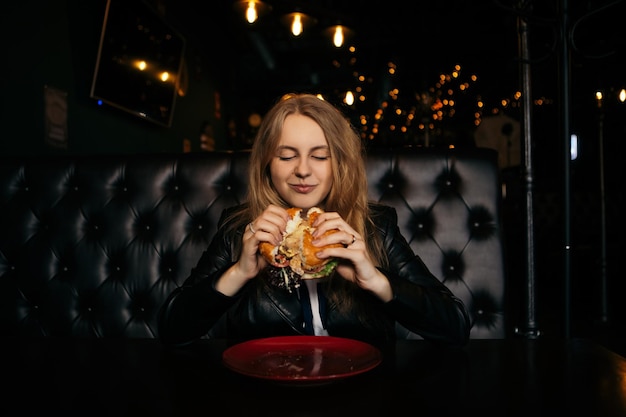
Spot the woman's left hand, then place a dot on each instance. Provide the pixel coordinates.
(360, 268)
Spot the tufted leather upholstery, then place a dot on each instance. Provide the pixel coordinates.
(90, 246)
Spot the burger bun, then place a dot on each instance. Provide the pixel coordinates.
(296, 250)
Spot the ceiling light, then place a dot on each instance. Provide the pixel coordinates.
(339, 34)
(252, 9)
(298, 22)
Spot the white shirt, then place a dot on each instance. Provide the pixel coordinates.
(318, 328)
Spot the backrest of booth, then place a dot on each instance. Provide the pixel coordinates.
(90, 246)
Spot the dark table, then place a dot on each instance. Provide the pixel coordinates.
(130, 377)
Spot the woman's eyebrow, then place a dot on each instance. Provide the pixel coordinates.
(282, 147)
(313, 149)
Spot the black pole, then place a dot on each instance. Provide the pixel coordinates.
(564, 64)
(530, 326)
(604, 302)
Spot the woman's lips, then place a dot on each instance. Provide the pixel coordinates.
(302, 188)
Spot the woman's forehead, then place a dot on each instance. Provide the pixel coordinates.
(302, 132)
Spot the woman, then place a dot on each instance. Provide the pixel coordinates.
(306, 154)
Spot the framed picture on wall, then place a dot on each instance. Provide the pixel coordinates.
(140, 62)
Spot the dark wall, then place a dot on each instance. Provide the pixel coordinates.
(55, 44)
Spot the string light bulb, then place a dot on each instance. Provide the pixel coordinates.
(252, 9)
(298, 22)
(339, 34)
(349, 98)
(251, 13)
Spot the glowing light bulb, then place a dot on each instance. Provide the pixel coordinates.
(251, 12)
(296, 25)
(338, 36)
(349, 99)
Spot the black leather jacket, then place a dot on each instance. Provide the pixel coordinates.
(421, 303)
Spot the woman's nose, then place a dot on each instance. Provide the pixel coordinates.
(302, 169)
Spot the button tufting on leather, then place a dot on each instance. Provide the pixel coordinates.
(147, 241)
(481, 223)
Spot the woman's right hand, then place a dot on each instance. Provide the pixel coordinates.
(268, 227)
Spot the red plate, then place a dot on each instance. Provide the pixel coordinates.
(302, 358)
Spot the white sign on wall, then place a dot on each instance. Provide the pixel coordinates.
(55, 117)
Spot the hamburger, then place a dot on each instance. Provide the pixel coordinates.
(295, 256)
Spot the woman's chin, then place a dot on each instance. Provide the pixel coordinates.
(304, 201)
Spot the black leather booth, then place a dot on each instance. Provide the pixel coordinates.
(90, 246)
